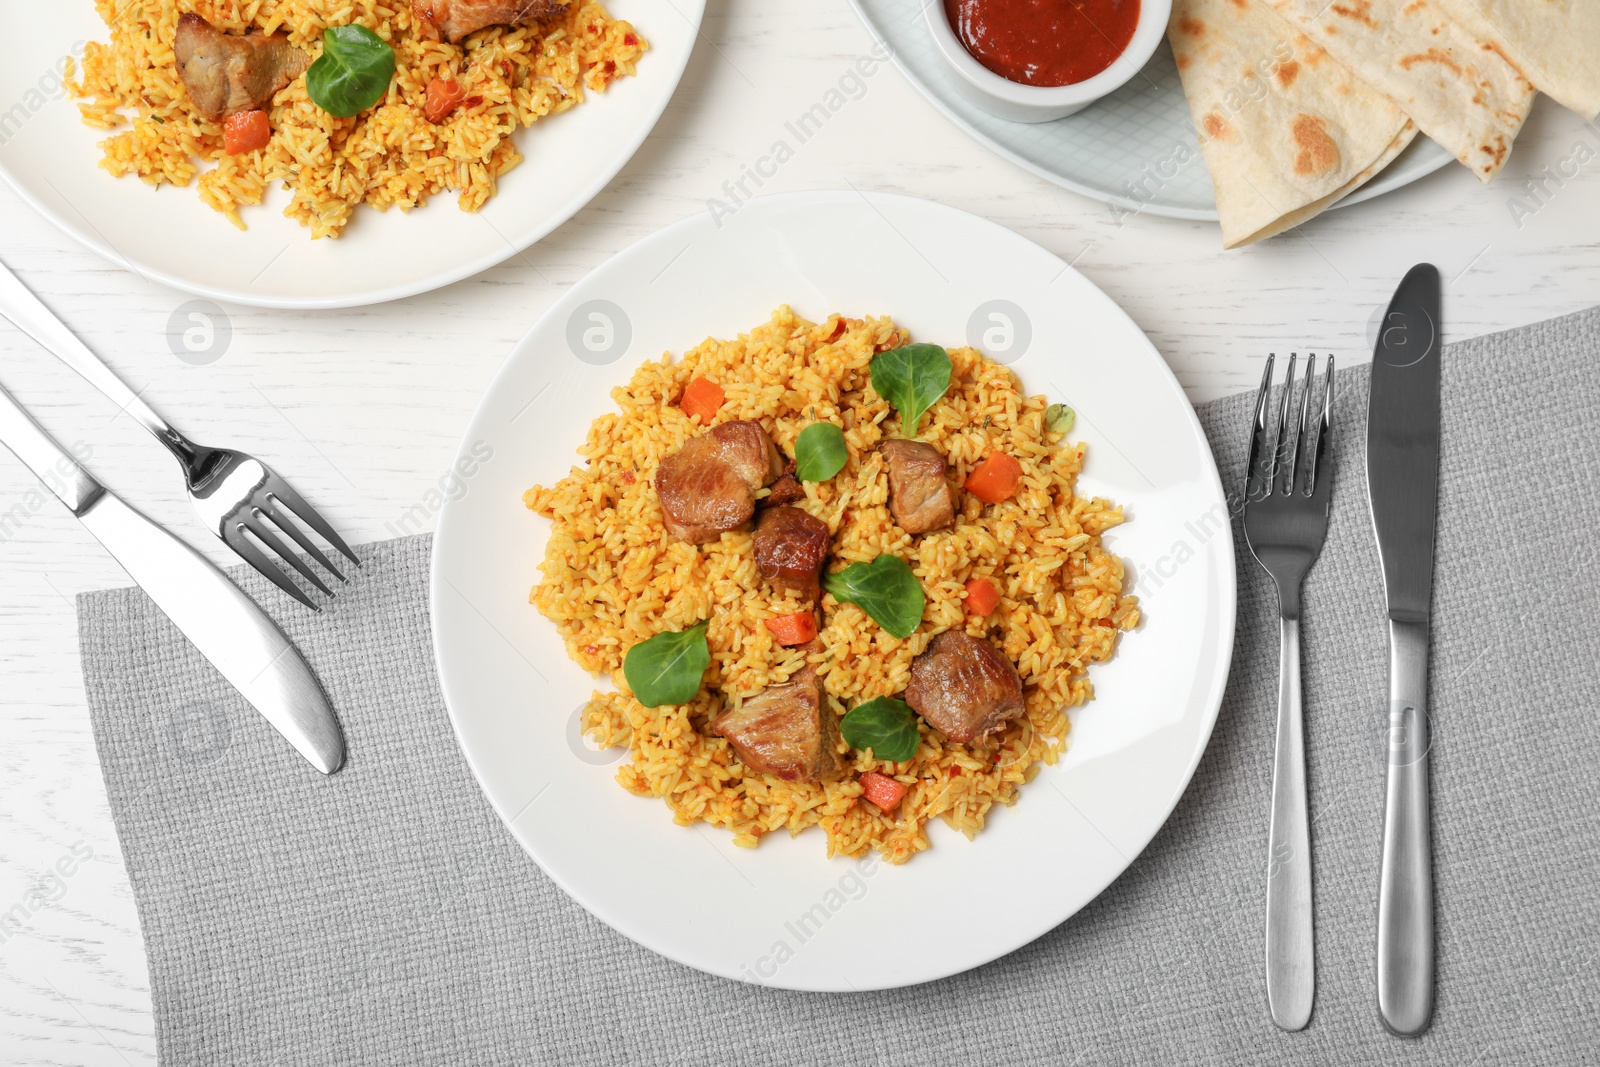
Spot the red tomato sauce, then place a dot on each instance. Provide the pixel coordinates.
(1044, 42)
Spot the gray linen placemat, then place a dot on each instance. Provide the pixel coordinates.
(384, 916)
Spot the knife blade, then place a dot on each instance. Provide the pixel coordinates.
(226, 626)
(1403, 420)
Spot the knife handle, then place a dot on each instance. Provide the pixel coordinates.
(1405, 880)
(55, 468)
(1291, 972)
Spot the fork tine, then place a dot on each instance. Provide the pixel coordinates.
(1300, 475)
(1324, 437)
(235, 537)
(264, 534)
(1303, 456)
(296, 506)
(1286, 442)
(1327, 395)
(1258, 430)
(282, 520)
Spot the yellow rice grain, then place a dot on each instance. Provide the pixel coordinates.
(612, 578)
(387, 156)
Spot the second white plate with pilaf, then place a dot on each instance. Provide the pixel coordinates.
(168, 235)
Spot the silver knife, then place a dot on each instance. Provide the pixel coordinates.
(1403, 484)
(225, 625)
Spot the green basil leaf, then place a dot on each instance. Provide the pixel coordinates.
(885, 725)
(353, 71)
(819, 452)
(885, 589)
(911, 378)
(667, 668)
(1058, 418)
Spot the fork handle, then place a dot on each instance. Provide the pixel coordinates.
(1405, 878)
(28, 313)
(1291, 974)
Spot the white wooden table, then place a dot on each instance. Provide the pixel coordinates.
(362, 408)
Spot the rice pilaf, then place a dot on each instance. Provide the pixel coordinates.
(387, 156)
(613, 578)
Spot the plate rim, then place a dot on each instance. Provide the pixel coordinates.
(515, 245)
(1225, 610)
(1368, 191)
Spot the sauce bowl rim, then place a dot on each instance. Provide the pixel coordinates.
(1148, 34)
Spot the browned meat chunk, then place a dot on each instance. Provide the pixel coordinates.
(708, 486)
(919, 497)
(964, 687)
(791, 547)
(454, 19)
(227, 74)
(786, 490)
(785, 730)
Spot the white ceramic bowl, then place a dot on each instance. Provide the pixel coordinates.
(1007, 99)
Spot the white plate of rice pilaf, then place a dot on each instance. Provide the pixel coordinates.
(659, 837)
(378, 206)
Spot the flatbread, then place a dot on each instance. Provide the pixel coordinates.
(1457, 86)
(1555, 43)
(1294, 218)
(1285, 129)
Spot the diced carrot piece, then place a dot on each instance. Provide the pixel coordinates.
(702, 397)
(791, 630)
(882, 790)
(982, 597)
(246, 131)
(995, 479)
(444, 96)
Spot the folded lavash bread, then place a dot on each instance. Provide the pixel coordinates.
(1458, 86)
(1555, 43)
(1285, 130)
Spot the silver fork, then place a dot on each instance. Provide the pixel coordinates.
(241, 499)
(1288, 486)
